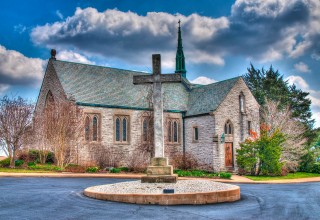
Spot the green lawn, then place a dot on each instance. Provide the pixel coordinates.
(296, 175)
(19, 170)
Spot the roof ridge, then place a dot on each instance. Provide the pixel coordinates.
(99, 66)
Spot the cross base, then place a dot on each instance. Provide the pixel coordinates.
(159, 172)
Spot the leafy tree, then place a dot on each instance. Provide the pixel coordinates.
(261, 154)
(270, 85)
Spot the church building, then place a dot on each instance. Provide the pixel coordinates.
(206, 121)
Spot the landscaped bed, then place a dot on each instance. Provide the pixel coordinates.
(296, 175)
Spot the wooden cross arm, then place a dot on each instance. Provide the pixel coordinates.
(162, 78)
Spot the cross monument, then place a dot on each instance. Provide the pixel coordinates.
(159, 171)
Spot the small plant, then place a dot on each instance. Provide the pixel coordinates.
(115, 170)
(45, 167)
(92, 169)
(74, 168)
(224, 175)
(5, 162)
(30, 164)
(19, 163)
(124, 169)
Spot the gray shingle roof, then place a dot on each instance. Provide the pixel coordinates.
(98, 85)
(104, 86)
(207, 98)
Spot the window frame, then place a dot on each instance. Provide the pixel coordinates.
(121, 139)
(195, 136)
(171, 137)
(91, 116)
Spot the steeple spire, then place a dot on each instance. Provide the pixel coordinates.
(180, 64)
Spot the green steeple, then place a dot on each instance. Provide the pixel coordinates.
(180, 64)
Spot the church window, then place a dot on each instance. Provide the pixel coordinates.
(228, 128)
(87, 128)
(249, 127)
(118, 129)
(121, 129)
(49, 100)
(169, 131)
(95, 128)
(124, 129)
(242, 102)
(195, 134)
(145, 129)
(173, 131)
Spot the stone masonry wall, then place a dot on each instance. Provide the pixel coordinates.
(203, 148)
(229, 109)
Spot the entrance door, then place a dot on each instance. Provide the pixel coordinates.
(228, 154)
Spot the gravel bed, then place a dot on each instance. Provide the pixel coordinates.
(182, 186)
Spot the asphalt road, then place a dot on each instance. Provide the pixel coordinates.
(61, 198)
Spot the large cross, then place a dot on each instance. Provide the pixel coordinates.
(157, 79)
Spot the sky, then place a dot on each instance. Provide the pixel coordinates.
(220, 38)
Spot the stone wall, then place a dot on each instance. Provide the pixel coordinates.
(203, 148)
(229, 109)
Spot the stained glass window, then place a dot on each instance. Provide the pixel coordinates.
(124, 129)
(196, 135)
(175, 132)
(95, 128)
(145, 130)
(87, 128)
(169, 131)
(118, 129)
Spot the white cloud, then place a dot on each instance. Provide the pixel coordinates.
(59, 14)
(315, 56)
(20, 28)
(3, 88)
(302, 67)
(298, 81)
(316, 117)
(15, 68)
(71, 56)
(203, 80)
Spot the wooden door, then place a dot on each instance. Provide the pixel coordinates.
(228, 154)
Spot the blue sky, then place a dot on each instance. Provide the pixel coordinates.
(220, 38)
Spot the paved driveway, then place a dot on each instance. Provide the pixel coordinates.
(61, 198)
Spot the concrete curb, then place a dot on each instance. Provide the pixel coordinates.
(230, 195)
(235, 178)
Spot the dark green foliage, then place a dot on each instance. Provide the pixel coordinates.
(309, 161)
(201, 173)
(269, 84)
(261, 155)
(45, 167)
(224, 175)
(115, 170)
(19, 163)
(34, 155)
(92, 169)
(31, 164)
(5, 162)
(124, 169)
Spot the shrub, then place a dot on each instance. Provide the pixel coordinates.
(138, 161)
(224, 175)
(5, 162)
(124, 169)
(92, 169)
(33, 155)
(316, 168)
(18, 163)
(115, 170)
(74, 168)
(46, 167)
(31, 164)
(184, 162)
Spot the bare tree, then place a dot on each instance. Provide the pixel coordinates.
(62, 125)
(282, 120)
(15, 122)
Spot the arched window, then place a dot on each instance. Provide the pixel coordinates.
(49, 100)
(170, 131)
(124, 129)
(228, 128)
(175, 132)
(87, 128)
(242, 102)
(118, 129)
(145, 129)
(95, 128)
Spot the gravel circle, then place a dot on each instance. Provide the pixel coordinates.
(182, 186)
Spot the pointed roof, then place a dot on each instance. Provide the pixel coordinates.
(180, 61)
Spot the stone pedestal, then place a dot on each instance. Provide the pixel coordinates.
(159, 172)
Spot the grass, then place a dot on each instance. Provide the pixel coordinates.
(21, 170)
(296, 175)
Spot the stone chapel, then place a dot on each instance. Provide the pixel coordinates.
(207, 121)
